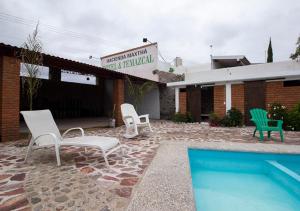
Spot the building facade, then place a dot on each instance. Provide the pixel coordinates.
(244, 87)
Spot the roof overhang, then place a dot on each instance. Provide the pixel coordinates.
(67, 64)
(231, 61)
(283, 70)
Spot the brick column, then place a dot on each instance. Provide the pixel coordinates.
(238, 97)
(118, 99)
(182, 102)
(9, 98)
(219, 100)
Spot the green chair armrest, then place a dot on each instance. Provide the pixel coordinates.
(279, 122)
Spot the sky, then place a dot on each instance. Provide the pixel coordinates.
(77, 29)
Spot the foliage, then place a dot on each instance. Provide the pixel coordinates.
(32, 59)
(277, 111)
(233, 118)
(171, 70)
(293, 119)
(138, 91)
(214, 120)
(270, 52)
(297, 51)
(179, 117)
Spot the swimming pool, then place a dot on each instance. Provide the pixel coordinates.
(226, 181)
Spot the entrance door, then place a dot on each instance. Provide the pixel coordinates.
(207, 102)
(194, 102)
(255, 97)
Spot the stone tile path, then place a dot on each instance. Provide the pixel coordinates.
(83, 182)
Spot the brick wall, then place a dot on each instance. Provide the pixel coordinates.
(182, 102)
(118, 96)
(237, 97)
(219, 99)
(276, 92)
(9, 98)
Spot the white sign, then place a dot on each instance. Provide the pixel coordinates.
(139, 61)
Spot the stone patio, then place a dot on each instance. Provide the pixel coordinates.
(83, 182)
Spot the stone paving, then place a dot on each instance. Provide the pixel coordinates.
(83, 182)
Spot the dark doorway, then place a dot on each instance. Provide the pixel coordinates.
(255, 97)
(207, 102)
(200, 102)
(67, 100)
(194, 102)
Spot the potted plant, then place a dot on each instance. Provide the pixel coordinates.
(112, 122)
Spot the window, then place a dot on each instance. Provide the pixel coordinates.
(291, 83)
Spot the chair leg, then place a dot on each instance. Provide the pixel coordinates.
(29, 149)
(261, 135)
(269, 134)
(57, 155)
(281, 135)
(150, 127)
(136, 131)
(254, 132)
(129, 134)
(105, 158)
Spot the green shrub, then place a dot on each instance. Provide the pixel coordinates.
(293, 119)
(179, 117)
(278, 112)
(189, 117)
(214, 120)
(233, 118)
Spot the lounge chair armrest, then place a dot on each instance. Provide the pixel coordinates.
(146, 116)
(55, 138)
(75, 128)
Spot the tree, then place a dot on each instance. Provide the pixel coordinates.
(297, 51)
(270, 52)
(138, 91)
(32, 59)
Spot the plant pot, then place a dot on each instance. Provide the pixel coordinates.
(112, 123)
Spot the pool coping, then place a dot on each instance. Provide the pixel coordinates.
(167, 184)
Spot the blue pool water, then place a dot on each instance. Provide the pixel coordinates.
(228, 181)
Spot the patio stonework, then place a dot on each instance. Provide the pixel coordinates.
(83, 182)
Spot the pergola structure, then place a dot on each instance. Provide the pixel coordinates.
(10, 85)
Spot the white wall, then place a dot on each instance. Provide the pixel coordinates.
(150, 104)
(248, 72)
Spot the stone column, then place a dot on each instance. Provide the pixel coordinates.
(9, 98)
(118, 97)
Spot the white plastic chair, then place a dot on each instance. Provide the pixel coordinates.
(44, 133)
(133, 121)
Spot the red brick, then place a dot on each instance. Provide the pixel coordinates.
(219, 99)
(237, 97)
(287, 96)
(118, 100)
(9, 98)
(182, 102)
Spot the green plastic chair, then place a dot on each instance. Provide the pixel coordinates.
(261, 121)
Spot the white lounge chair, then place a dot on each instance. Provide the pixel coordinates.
(44, 133)
(133, 121)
